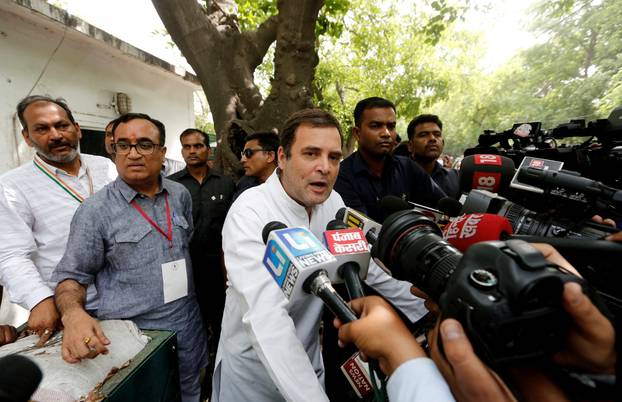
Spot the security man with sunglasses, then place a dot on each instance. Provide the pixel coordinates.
(258, 159)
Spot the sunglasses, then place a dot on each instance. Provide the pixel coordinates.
(249, 152)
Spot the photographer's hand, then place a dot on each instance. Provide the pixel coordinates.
(591, 341)
(617, 237)
(468, 378)
(379, 333)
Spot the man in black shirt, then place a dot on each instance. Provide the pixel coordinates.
(365, 177)
(372, 172)
(425, 143)
(258, 159)
(211, 197)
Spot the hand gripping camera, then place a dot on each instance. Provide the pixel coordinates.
(504, 293)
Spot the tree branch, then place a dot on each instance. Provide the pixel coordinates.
(258, 42)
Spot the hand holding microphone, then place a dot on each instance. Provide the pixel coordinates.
(379, 333)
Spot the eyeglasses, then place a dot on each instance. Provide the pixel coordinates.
(143, 147)
(249, 152)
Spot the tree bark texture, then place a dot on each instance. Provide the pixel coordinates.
(225, 58)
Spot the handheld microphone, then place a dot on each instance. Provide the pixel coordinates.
(350, 248)
(486, 172)
(466, 230)
(356, 219)
(391, 204)
(19, 378)
(300, 264)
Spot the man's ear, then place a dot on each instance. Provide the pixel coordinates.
(281, 156)
(410, 147)
(77, 126)
(27, 137)
(356, 132)
(271, 156)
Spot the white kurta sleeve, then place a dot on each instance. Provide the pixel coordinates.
(396, 291)
(418, 380)
(268, 325)
(18, 274)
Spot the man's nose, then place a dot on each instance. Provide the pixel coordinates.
(323, 165)
(134, 153)
(55, 134)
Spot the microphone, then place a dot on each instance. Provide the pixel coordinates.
(392, 204)
(486, 172)
(356, 219)
(449, 206)
(571, 185)
(350, 248)
(465, 230)
(300, 265)
(19, 378)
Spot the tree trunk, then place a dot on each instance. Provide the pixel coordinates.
(224, 59)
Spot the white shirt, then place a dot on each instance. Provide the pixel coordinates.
(418, 380)
(35, 214)
(269, 347)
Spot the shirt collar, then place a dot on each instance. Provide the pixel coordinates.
(59, 170)
(438, 169)
(184, 172)
(129, 193)
(359, 165)
(276, 188)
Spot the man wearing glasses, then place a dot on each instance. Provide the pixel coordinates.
(131, 240)
(211, 194)
(258, 159)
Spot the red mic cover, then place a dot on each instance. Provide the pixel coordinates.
(465, 230)
(486, 172)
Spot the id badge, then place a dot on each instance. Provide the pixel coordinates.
(174, 280)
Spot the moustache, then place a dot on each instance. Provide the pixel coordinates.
(58, 144)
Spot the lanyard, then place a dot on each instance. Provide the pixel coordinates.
(169, 234)
(70, 190)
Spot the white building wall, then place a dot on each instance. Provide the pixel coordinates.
(84, 71)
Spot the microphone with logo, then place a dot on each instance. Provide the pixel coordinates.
(493, 173)
(301, 265)
(351, 249)
(465, 230)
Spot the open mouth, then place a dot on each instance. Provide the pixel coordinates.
(318, 186)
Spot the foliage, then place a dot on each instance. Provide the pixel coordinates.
(574, 74)
(382, 53)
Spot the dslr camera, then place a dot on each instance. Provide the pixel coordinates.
(505, 294)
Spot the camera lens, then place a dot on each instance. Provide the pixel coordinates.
(411, 245)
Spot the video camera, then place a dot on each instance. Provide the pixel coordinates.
(599, 157)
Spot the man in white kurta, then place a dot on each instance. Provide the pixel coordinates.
(37, 202)
(269, 347)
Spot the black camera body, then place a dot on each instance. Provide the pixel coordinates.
(505, 294)
(508, 298)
